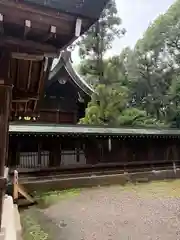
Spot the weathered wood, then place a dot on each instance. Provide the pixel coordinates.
(15, 185)
(30, 46)
(40, 84)
(32, 57)
(29, 75)
(34, 14)
(39, 153)
(17, 155)
(27, 27)
(5, 98)
(1, 24)
(25, 100)
(51, 34)
(24, 193)
(5, 101)
(57, 116)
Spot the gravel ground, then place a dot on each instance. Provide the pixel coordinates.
(111, 214)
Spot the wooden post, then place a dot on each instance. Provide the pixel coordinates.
(77, 150)
(15, 185)
(57, 116)
(55, 154)
(5, 101)
(17, 153)
(39, 153)
(5, 97)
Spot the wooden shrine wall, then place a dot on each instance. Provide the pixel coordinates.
(52, 151)
(58, 117)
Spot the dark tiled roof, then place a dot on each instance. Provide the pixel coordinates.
(65, 61)
(79, 129)
(82, 8)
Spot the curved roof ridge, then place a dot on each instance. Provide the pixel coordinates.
(77, 78)
(66, 61)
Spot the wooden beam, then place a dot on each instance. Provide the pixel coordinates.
(27, 27)
(17, 73)
(51, 34)
(26, 105)
(31, 46)
(23, 94)
(41, 79)
(16, 108)
(1, 24)
(29, 75)
(34, 14)
(78, 27)
(24, 100)
(32, 57)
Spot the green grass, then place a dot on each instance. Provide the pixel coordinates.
(31, 228)
(34, 226)
(49, 198)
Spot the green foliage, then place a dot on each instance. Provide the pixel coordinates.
(141, 85)
(136, 117)
(109, 106)
(95, 43)
(105, 105)
(102, 33)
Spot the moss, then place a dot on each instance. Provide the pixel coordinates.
(155, 189)
(49, 198)
(35, 225)
(31, 228)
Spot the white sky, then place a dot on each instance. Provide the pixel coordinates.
(136, 16)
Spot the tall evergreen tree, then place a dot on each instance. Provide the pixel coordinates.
(97, 41)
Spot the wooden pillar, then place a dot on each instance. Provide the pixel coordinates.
(101, 151)
(5, 101)
(57, 116)
(39, 153)
(75, 117)
(77, 149)
(7, 147)
(55, 154)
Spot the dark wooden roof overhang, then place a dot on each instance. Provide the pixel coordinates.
(27, 77)
(45, 27)
(33, 33)
(19, 129)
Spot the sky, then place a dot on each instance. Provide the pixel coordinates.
(136, 16)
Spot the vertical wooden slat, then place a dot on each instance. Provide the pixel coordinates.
(57, 116)
(77, 151)
(17, 155)
(39, 153)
